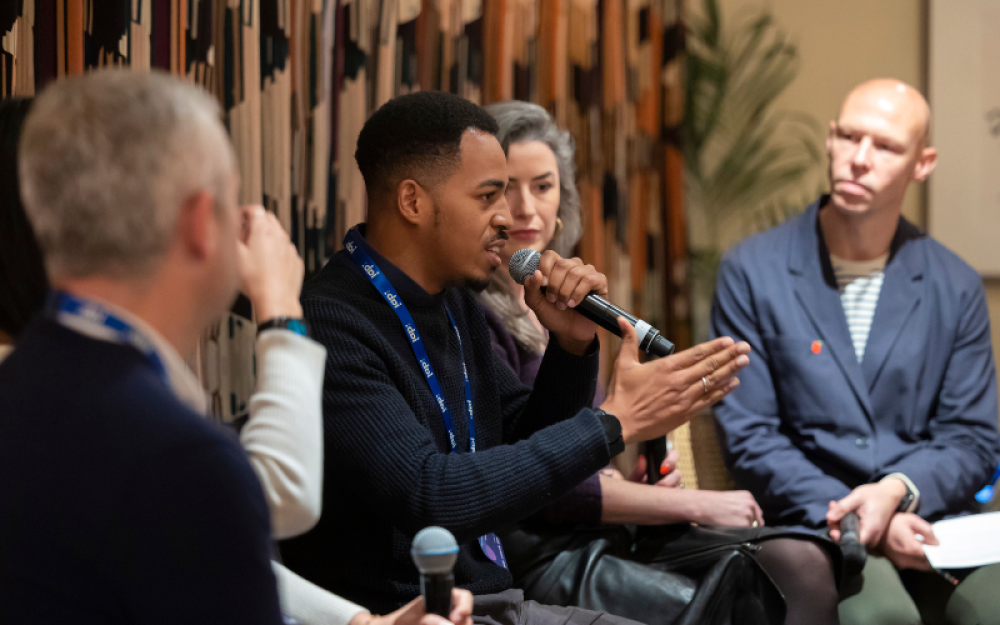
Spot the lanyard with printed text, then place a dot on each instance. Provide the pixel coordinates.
(490, 543)
(92, 319)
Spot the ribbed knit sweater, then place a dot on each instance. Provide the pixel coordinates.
(388, 467)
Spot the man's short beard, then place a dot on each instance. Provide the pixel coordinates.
(477, 285)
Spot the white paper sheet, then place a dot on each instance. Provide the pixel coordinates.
(966, 542)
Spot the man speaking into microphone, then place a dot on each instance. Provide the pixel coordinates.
(423, 426)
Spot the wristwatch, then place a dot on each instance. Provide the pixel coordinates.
(909, 501)
(613, 431)
(295, 324)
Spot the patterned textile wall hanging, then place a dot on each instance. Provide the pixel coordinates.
(611, 71)
(269, 63)
(298, 78)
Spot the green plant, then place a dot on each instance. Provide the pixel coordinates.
(745, 160)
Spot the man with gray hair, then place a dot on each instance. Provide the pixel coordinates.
(118, 501)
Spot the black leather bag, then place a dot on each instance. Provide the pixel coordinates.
(669, 575)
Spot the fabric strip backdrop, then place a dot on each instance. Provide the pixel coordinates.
(298, 78)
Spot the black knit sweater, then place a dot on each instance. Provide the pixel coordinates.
(388, 467)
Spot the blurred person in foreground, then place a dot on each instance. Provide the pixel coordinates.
(578, 551)
(284, 425)
(423, 424)
(876, 388)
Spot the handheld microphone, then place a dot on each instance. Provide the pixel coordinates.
(602, 312)
(434, 553)
(850, 544)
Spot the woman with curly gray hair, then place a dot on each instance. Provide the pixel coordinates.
(577, 550)
(545, 207)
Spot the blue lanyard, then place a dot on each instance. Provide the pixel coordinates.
(352, 242)
(489, 543)
(95, 320)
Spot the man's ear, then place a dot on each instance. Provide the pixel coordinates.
(198, 226)
(413, 202)
(830, 137)
(925, 164)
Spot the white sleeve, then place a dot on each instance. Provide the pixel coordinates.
(309, 604)
(284, 434)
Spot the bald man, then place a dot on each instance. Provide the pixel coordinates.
(874, 388)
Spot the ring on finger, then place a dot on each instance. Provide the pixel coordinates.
(704, 385)
(755, 523)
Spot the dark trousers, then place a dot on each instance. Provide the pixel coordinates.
(884, 595)
(511, 608)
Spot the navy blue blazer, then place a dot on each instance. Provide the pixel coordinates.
(805, 428)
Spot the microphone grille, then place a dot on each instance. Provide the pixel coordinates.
(434, 550)
(523, 263)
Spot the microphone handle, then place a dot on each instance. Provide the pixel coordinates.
(854, 552)
(436, 589)
(605, 314)
(849, 527)
(656, 452)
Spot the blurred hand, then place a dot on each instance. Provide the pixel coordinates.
(736, 508)
(670, 479)
(567, 281)
(901, 544)
(270, 266)
(653, 398)
(413, 613)
(875, 505)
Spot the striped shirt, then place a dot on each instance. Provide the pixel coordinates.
(859, 283)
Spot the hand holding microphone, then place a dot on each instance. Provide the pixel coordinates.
(414, 613)
(552, 287)
(567, 283)
(875, 505)
(648, 399)
(434, 552)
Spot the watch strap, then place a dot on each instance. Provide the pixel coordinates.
(293, 324)
(911, 499)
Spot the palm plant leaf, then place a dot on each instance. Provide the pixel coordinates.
(740, 153)
(744, 158)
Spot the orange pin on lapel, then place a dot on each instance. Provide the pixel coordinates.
(817, 347)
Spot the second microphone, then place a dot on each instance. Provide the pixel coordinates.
(602, 312)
